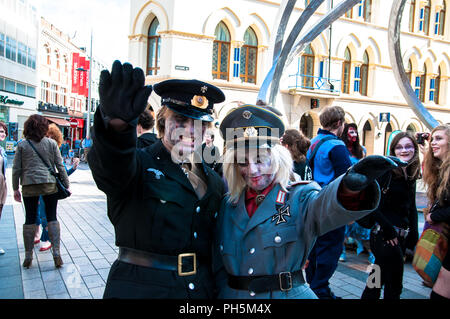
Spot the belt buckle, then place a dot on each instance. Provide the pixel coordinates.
(289, 276)
(180, 264)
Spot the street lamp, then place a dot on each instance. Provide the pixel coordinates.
(88, 118)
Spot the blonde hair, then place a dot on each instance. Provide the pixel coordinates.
(55, 133)
(436, 173)
(281, 163)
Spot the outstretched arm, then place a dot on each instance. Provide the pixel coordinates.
(123, 96)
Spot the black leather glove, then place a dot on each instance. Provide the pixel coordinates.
(363, 173)
(123, 94)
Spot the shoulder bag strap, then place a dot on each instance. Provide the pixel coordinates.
(42, 159)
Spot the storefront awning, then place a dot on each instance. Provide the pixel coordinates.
(58, 121)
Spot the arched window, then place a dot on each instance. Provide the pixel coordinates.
(49, 58)
(412, 8)
(409, 70)
(307, 68)
(423, 81)
(249, 57)
(345, 87)
(440, 20)
(153, 48)
(57, 60)
(437, 85)
(364, 74)
(221, 52)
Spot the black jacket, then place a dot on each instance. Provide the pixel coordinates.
(397, 208)
(146, 139)
(153, 208)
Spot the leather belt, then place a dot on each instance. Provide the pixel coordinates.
(185, 264)
(284, 281)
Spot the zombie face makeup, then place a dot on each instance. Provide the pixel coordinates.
(182, 134)
(404, 149)
(257, 170)
(352, 134)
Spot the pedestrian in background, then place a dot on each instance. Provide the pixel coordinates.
(211, 153)
(298, 145)
(329, 158)
(3, 163)
(42, 235)
(65, 147)
(436, 175)
(35, 178)
(144, 127)
(395, 217)
(355, 233)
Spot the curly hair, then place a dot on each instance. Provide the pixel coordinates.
(35, 128)
(436, 173)
(298, 144)
(3, 125)
(356, 147)
(413, 168)
(55, 133)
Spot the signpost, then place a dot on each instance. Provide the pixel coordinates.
(73, 125)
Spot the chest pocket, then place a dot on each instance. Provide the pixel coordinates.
(277, 245)
(280, 237)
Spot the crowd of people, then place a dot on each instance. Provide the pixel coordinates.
(245, 220)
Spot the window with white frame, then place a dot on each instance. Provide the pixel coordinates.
(22, 53)
(2, 44)
(11, 49)
(412, 8)
(424, 18)
(153, 48)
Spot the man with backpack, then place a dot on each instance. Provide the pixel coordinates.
(328, 158)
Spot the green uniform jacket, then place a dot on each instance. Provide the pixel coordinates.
(154, 208)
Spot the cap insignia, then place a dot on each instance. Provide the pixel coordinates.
(204, 89)
(246, 115)
(250, 132)
(199, 101)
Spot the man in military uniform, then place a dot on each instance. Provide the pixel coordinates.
(163, 205)
(267, 225)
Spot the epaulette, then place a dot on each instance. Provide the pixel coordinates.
(299, 183)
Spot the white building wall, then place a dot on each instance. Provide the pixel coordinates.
(187, 36)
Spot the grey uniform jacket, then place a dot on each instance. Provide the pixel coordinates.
(268, 243)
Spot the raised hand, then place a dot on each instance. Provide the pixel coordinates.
(123, 94)
(363, 173)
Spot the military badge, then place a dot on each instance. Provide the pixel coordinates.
(199, 101)
(158, 173)
(250, 132)
(284, 211)
(247, 115)
(204, 89)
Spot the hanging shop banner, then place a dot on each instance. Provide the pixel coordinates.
(86, 78)
(75, 73)
(82, 75)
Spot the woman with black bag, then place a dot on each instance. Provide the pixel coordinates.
(34, 154)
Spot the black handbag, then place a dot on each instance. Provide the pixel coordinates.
(63, 192)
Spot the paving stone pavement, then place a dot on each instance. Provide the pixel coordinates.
(88, 250)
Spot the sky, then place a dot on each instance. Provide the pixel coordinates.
(108, 19)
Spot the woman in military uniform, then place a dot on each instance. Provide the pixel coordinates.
(267, 225)
(162, 204)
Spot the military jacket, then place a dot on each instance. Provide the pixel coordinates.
(154, 208)
(281, 233)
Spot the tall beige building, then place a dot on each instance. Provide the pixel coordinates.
(230, 44)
